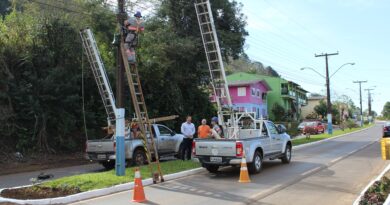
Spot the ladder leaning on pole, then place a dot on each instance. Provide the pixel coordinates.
(141, 114)
(99, 73)
(215, 63)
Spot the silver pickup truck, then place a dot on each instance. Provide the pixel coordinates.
(103, 150)
(258, 139)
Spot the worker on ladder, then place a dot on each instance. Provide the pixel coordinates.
(133, 26)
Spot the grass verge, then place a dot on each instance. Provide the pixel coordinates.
(319, 137)
(91, 181)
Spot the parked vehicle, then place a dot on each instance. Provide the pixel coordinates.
(256, 139)
(103, 150)
(301, 126)
(314, 127)
(386, 129)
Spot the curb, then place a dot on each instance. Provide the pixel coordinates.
(297, 147)
(98, 192)
(356, 202)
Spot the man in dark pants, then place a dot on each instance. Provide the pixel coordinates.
(188, 130)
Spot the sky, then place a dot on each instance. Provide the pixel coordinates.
(287, 34)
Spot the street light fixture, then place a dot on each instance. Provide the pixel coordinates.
(341, 67)
(329, 105)
(304, 68)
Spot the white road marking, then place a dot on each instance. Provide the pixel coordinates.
(335, 160)
(310, 171)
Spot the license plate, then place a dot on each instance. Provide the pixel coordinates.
(101, 156)
(215, 159)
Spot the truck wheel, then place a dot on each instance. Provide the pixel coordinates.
(287, 155)
(139, 157)
(212, 168)
(108, 165)
(257, 163)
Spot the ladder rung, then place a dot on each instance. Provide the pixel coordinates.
(140, 103)
(203, 13)
(214, 61)
(202, 3)
(214, 51)
(208, 32)
(210, 42)
(207, 22)
(215, 70)
(138, 93)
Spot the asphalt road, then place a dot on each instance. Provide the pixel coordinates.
(21, 179)
(332, 172)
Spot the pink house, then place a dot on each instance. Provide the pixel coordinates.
(250, 96)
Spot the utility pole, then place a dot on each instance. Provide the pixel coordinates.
(329, 103)
(121, 17)
(120, 122)
(369, 101)
(361, 105)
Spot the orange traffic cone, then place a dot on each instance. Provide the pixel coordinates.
(244, 175)
(139, 194)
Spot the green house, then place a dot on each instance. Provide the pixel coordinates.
(286, 93)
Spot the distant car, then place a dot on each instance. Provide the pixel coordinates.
(301, 126)
(386, 129)
(314, 127)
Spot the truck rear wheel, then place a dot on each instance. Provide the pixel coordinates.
(139, 157)
(212, 168)
(108, 165)
(257, 163)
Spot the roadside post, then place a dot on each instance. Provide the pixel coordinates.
(120, 142)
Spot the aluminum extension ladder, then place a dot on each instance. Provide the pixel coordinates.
(99, 73)
(214, 61)
(141, 114)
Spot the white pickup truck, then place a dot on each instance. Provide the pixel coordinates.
(103, 150)
(259, 139)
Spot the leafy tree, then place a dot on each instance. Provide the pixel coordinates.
(386, 110)
(322, 110)
(279, 112)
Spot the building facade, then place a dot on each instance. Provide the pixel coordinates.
(287, 94)
(308, 111)
(250, 96)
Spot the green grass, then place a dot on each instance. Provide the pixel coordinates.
(314, 138)
(86, 182)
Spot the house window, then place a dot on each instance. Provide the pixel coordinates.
(258, 93)
(241, 91)
(253, 92)
(264, 96)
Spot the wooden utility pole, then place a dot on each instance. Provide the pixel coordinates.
(120, 84)
(329, 104)
(369, 100)
(361, 104)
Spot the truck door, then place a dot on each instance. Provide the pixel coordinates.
(276, 141)
(166, 140)
(265, 140)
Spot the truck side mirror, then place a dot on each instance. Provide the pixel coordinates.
(281, 129)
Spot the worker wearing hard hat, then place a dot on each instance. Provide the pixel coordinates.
(134, 26)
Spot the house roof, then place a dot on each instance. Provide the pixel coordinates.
(249, 82)
(242, 76)
(319, 97)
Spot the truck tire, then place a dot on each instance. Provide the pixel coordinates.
(287, 155)
(212, 168)
(139, 157)
(257, 163)
(108, 165)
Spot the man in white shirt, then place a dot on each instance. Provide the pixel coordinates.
(188, 130)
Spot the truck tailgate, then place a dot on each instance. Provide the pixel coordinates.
(100, 146)
(215, 148)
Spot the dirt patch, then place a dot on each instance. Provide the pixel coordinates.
(36, 162)
(38, 192)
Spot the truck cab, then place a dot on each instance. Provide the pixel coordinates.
(256, 139)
